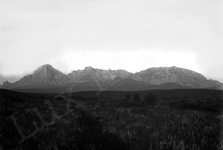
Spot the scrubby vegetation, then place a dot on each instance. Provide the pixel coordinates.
(158, 119)
(150, 99)
(136, 97)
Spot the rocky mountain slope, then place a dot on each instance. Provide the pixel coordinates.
(163, 75)
(45, 75)
(90, 73)
(93, 79)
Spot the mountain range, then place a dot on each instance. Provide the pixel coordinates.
(47, 77)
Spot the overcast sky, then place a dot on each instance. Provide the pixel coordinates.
(110, 34)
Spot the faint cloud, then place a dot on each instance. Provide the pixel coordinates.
(8, 78)
(8, 28)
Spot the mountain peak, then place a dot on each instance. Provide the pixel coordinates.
(47, 74)
(44, 69)
(46, 66)
(88, 68)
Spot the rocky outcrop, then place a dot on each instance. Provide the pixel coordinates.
(8, 85)
(162, 75)
(91, 74)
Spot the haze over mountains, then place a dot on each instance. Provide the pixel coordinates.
(97, 79)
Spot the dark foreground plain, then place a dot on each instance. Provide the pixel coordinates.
(156, 119)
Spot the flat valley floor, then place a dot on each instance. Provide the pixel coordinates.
(144, 120)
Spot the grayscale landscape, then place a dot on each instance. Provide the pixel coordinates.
(111, 75)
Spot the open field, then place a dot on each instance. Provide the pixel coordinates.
(155, 119)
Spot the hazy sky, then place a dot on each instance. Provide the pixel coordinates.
(116, 34)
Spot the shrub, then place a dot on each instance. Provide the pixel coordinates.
(136, 97)
(42, 97)
(150, 99)
(127, 97)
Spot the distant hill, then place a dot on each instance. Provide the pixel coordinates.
(46, 77)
